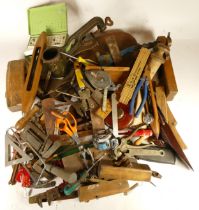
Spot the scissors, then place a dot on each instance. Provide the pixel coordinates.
(66, 122)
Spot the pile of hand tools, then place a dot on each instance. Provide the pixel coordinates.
(92, 109)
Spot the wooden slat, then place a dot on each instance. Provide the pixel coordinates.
(178, 137)
(15, 79)
(116, 73)
(171, 118)
(136, 174)
(162, 101)
(102, 189)
(169, 80)
(172, 123)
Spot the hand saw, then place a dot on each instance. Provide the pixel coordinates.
(169, 137)
(34, 73)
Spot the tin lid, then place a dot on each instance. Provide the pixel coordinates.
(51, 18)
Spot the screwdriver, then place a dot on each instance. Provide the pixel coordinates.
(79, 59)
(70, 188)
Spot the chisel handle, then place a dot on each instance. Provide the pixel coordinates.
(21, 123)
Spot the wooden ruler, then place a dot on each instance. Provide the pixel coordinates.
(134, 76)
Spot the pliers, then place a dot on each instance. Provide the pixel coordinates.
(142, 82)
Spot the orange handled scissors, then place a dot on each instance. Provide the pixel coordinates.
(66, 122)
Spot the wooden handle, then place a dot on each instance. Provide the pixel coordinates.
(23, 121)
(140, 140)
(109, 68)
(155, 125)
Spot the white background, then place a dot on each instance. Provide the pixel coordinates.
(179, 187)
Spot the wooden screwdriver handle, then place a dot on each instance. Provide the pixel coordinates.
(21, 123)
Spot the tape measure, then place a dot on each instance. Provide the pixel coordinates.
(134, 76)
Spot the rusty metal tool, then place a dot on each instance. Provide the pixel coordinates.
(55, 64)
(77, 106)
(34, 135)
(95, 93)
(169, 157)
(75, 40)
(113, 48)
(132, 152)
(34, 73)
(48, 104)
(87, 102)
(14, 173)
(11, 142)
(60, 172)
(50, 195)
(124, 147)
(98, 79)
(101, 81)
